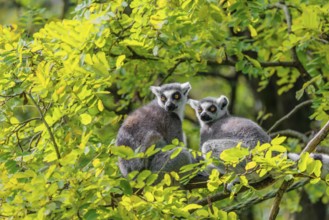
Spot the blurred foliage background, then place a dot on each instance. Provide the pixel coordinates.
(81, 66)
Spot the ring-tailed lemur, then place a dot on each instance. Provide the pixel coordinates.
(220, 131)
(157, 123)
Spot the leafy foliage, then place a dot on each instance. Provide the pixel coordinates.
(64, 90)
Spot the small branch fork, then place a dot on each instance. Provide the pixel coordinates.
(52, 137)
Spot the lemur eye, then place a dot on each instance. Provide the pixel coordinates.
(212, 109)
(200, 110)
(163, 98)
(176, 96)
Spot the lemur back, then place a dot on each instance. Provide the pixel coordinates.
(158, 122)
(230, 127)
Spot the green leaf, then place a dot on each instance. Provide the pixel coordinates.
(14, 120)
(176, 152)
(253, 61)
(317, 168)
(279, 148)
(191, 206)
(100, 105)
(151, 179)
(243, 180)
(303, 161)
(252, 30)
(232, 216)
(235, 154)
(91, 215)
(299, 94)
(143, 175)
(127, 190)
(315, 181)
(151, 151)
(11, 166)
(251, 165)
(149, 196)
(122, 151)
(50, 157)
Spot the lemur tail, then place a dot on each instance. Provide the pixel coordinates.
(316, 156)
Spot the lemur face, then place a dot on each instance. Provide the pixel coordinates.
(173, 96)
(210, 109)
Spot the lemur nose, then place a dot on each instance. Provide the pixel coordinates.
(205, 117)
(171, 107)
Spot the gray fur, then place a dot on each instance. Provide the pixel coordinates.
(152, 124)
(230, 127)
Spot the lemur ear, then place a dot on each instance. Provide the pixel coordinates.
(193, 103)
(186, 87)
(156, 90)
(222, 102)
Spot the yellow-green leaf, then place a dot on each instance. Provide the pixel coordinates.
(100, 105)
(149, 196)
(14, 120)
(119, 61)
(252, 30)
(302, 163)
(191, 206)
(176, 152)
(251, 165)
(85, 118)
(278, 140)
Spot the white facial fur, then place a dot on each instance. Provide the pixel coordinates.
(168, 91)
(203, 108)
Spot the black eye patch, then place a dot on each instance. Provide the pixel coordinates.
(163, 98)
(212, 109)
(176, 96)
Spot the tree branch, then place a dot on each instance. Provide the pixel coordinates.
(297, 107)
(256, 200)
(316, 140)
(276, 205)
(223, 195)
(52, 137)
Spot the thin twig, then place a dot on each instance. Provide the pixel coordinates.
(52, 137)
(296, 62)
(291, 133)
(276, 205)
(171, 71)
(215, 74)
(316, 140)
(297, 107)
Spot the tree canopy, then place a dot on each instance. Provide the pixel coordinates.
(67, 83)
